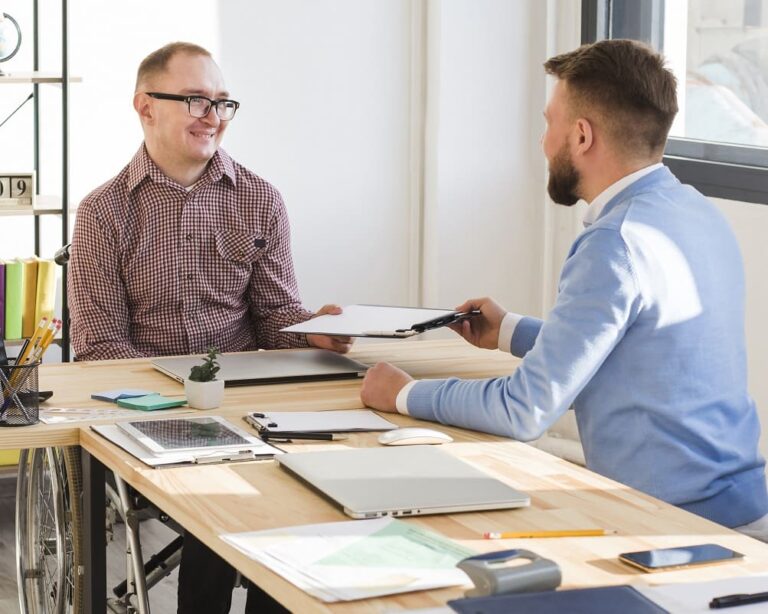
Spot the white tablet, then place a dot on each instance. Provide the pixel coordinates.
(189, 434)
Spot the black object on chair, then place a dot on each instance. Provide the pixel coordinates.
(61, 257)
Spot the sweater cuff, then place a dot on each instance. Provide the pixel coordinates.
(507, 329)
(420, 398)
(401, 403)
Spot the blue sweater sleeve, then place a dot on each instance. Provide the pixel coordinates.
(525, 334)
(598, 299)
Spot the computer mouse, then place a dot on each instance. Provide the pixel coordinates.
(413, 435)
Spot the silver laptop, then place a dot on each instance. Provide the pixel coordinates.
(268, 367)
(401, 481)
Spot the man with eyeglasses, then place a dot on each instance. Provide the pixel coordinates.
(183, 250)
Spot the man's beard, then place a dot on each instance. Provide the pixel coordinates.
(563, 179)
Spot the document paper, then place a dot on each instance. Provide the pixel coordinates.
(359, 559)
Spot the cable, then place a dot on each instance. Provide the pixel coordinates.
(26, 100)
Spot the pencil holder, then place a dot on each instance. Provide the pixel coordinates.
(19, 390)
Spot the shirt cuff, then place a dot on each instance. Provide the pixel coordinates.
(401, 403)
(507, 329)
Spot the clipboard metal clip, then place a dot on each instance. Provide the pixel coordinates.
(451, 318)
(238, 455)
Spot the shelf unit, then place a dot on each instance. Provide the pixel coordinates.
(48, 205)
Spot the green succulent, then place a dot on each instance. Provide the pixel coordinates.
(207, 371)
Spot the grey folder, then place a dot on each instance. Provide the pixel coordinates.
(405, 481)
(268, 367)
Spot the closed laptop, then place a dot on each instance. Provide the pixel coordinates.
(402, 481)
(268, 367)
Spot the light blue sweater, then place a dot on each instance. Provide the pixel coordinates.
(646, 340)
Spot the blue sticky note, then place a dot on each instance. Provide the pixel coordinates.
(151, 402)
(112, 396)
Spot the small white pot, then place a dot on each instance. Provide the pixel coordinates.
(204, 395)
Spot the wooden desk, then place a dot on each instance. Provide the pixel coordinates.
(248, 496)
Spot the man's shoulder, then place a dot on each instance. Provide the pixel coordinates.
(252, 184)
(108, 194)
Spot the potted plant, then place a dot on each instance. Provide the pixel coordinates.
(202, 388)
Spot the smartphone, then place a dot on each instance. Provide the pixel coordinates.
(674, 558)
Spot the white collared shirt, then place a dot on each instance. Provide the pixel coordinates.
(510, 321)
(595, 208)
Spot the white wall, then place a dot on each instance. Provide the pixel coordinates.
(750, 223)
(325, 92)
(485, 236)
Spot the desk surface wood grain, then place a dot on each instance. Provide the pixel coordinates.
(259, 495)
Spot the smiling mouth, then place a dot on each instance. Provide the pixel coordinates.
(203, 135)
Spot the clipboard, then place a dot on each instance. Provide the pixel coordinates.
(379, 321)
(114, 434)
(287, 423)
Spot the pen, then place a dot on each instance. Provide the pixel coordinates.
(728, 601)
(534, 534)
(318, 436)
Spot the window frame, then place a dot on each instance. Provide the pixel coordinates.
(720, 170)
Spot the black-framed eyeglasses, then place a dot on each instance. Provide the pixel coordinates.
(200, 106)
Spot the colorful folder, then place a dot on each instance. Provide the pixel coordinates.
(46, 289)
(28, 322)
(14, 298)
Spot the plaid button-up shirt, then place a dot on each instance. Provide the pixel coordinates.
(157, 269)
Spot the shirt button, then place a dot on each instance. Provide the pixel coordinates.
(189, 237)
(190, 276)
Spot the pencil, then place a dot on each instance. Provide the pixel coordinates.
(32, 342)
(557, 533)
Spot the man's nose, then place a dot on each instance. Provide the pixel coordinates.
(212, 117)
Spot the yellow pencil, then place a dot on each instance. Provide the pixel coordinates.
(53, 327)
(33, 342)
(556, 533)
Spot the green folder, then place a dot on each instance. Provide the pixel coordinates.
(151, 402)
(14, 298)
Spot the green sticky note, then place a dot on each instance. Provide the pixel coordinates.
(151, 402)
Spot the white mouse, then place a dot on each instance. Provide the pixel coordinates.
(413, 435)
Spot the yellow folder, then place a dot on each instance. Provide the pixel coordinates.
(46, 289)
(28, 322)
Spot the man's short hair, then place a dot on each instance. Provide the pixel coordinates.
(624, 85)
(157, 61)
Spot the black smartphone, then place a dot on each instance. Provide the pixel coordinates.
(673, 558)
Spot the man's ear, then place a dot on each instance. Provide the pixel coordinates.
(585, 137)
(143, 105)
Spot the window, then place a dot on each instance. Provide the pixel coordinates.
(718, 49)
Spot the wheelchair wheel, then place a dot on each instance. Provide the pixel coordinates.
(49, 531)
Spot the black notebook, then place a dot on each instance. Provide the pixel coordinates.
(601, 600)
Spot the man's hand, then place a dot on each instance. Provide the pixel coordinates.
(381, 385)
(342, 345)
(481, 330)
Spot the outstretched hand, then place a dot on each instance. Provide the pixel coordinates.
(481, 330)
(342, 345)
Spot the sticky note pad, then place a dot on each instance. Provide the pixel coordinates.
(151, 402)
(123, 393)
